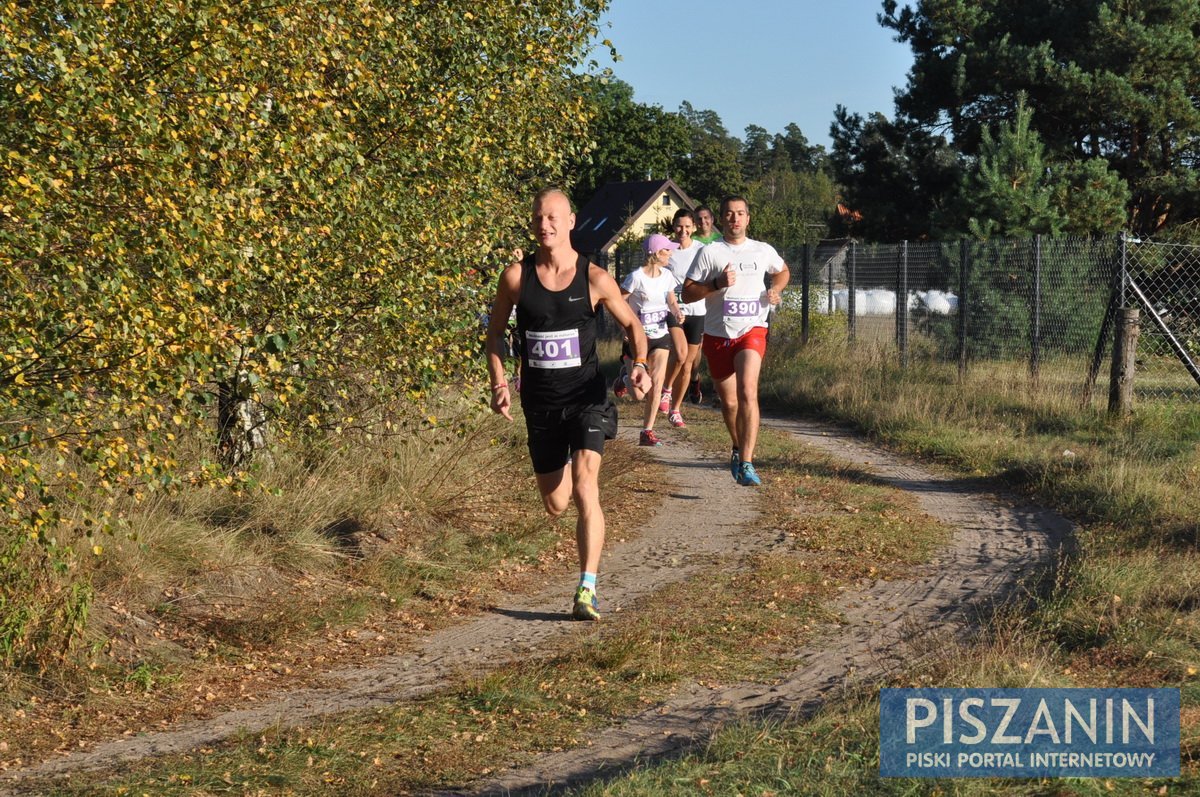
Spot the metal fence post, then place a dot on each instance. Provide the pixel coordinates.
(1110, 314)
(805, 258)
(1120, 380)
(902, 304)
(851, 305)
(1035, 320)
(829, 287)
(964, 272)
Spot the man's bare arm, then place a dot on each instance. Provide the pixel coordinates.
(605, 291)
(506, 297)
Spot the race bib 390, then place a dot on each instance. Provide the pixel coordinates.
(742, 308)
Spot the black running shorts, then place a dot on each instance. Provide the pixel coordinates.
(556, 434)
(693, 329)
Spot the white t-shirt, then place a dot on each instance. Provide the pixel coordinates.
(681, 261)
(734, 311)
(648, 299)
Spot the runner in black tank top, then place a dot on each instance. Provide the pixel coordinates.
(567, 412)
(558, 333)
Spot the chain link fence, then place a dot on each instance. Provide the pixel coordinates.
(1047, 308)
(1163, 281)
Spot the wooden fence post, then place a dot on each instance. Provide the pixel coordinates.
(1120, 383)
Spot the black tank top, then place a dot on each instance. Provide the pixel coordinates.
(559, 366)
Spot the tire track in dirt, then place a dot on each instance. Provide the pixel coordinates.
(883, 623)
(515, 629)
(998, 546)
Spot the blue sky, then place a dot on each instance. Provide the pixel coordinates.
(764, 62)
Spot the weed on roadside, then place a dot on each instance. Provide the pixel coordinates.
(735, 622)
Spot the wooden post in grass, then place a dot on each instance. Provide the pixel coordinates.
(1120, 383)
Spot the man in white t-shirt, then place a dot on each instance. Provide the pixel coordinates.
(740, 280)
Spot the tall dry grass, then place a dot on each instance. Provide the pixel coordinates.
(313, 528)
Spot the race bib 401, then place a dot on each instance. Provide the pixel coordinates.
(553, 349)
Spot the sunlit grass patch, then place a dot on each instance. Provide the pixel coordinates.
(732, 623)
(375, 538)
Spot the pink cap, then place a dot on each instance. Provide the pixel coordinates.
(659, 242)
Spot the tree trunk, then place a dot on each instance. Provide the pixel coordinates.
(241, 422)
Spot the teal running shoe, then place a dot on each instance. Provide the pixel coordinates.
(586, 606)
(749, 476)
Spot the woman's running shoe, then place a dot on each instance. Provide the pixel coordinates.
(676, 420)
(664, 404)
(649, 438)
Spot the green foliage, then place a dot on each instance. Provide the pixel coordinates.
(272, 196)
(633, 141)
(791, 208)
(1009, 193)
(1016, 191)
(1090, 195)
(762, 152)
(1106, 80)
(900, 178)
(713, 172)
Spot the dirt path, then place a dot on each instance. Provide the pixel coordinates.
(994, 546)
(512, 630)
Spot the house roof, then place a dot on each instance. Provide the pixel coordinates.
(831, 251)
(830, 256)
(611, 210)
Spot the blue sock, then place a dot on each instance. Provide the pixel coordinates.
(588, 580)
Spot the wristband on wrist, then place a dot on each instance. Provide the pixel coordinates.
(640, 364)
(499, 387)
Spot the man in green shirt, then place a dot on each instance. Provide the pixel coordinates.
(705, 232)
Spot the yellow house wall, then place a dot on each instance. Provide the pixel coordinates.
(658, 214)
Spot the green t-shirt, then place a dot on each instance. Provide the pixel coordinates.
(712, 236)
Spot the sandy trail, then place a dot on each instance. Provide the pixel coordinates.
(995, 546)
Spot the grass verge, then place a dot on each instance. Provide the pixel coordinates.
(337, 551)
(734, 622)
(1125, 611)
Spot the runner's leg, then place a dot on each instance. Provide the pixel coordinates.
(589, 528)
(677, 359)
(727, 391)
(658, 371)
(748, 365)
(555, 488)
(684, 375)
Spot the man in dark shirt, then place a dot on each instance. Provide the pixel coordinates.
(563, 393)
